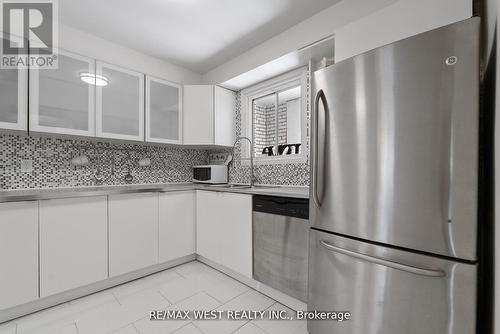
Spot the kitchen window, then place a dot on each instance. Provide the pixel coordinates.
(274, 117)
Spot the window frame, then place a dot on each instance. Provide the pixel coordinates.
(275, 85)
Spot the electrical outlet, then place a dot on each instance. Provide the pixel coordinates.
(26, 165)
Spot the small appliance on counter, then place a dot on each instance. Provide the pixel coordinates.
(216, 172)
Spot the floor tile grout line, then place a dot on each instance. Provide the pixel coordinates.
(256, 324)
(206, 292)
(189, 323)
(135, 328)
(267, 308)
(181, 275)
(232, 278)
(248, 321)
(237, 297)
(198, 328)
(154, 286)
(183, 299)
(262, 329)
(224, 303)
(116, 298)
(163, 296)
(122, 327)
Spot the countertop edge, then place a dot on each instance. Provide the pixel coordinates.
(61, 193)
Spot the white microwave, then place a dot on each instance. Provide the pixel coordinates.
(212, 174)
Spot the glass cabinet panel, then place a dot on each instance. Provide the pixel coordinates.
(13, 97)
(163, 111)
(60, 100)
(120, 103)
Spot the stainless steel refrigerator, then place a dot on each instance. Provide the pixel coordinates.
(393, 207)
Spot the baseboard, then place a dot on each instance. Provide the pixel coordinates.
(63, 297)
(279, 296)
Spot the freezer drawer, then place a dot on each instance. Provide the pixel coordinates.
(388, 291)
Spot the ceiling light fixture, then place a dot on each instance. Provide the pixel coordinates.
(94, 79)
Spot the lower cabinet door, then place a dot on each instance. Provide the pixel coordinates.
(209, 227)
(133, 232)
(224, 229)
(176, 225)
(73, 243)
(236, 232)
(18, 253)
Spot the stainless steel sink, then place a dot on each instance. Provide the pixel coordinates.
(241, 186)
(231, 186)
(263, 186)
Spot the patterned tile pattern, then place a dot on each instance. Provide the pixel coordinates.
(125, 309)
(52, 162)
(294, 174)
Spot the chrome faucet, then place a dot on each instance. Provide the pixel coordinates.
(252, 176)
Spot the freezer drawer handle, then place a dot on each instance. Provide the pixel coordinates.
(391, 264)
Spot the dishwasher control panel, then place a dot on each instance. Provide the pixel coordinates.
(284, 206)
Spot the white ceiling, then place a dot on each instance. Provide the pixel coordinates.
(290, 61)
(197, 34)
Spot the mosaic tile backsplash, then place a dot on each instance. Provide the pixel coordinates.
(51, 158)
(293, 174)
(51, 161)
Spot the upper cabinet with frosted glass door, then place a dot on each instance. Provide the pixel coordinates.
(120, 103)
(62, 100)
(163, 111)
(13, 97)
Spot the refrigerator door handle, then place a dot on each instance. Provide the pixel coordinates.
(383, 262)
(316, 174)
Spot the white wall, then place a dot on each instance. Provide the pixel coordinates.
(397, 21)
(317, 27)
(80, 42)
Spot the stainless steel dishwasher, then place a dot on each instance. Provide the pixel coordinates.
(280, 243)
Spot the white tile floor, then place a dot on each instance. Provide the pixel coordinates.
(125, 309)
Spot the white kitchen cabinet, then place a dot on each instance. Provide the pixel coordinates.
(176, 225)
(120, 103)
(18, 253)
(73, 243)
(163, 111)
(133, 232)
(209, 225)
(224, 229)
(60, 102)
(209, 115)
(13, 97)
